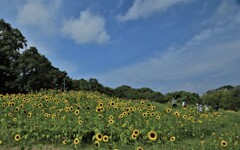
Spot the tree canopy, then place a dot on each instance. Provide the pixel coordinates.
(11, 41)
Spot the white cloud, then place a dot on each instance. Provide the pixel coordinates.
(206, 61)
(38, 13)
(146, 8)
(88, 28)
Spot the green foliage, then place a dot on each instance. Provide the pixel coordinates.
(125, 91)
(226, 98)
(37, 72)
(190, 98)
(11, 40)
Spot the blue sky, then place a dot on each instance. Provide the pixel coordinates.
(166, 45)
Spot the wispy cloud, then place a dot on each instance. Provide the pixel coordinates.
(119, 3)
(38, 13)
(146, 8)
(88, 28)
(211, 56)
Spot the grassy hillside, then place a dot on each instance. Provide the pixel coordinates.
(81, 120)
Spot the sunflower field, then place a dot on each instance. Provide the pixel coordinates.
(84, 120)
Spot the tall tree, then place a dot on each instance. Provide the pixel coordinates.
(84, 85)
(95, 85)
(37, 71)
(11, 41)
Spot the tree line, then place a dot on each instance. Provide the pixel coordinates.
(30, 71)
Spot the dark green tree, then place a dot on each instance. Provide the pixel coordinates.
(95, 85)
(122, 91)
(11, 41)
(190, 98)
(227, 97)
(37, 72)
(84, 85)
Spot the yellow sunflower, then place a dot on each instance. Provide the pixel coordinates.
(17, 137)
(64, 142)
(112, 103)
(76, 141)
(134, 136)
(98, 109)
(185, 117)
(152, 135)
(153, 108)
(176, 113)
(136, 132)
(140, 148)
(53, 115)
(152, 114)
(110, 121)
(17, 109)
(110, 117)
(164, 138)
(99, 136)
(105, 138)
(97, 143)
(76, 112)
(100, 104)
(168, 110)
(223, 143)
(100, 116)
(29, 114)
(124, 125)
(79, 121)
(144, 115)
(120, 116)
(172, 138)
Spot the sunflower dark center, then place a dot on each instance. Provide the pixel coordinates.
(152, 135)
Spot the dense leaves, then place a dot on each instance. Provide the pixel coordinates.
(37, 72)
(11, 40)
(225, 97)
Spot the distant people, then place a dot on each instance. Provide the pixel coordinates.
(197, 105)
(206, 107)
(200, 108)
(184, 104)
(174, 103)
(216, 107)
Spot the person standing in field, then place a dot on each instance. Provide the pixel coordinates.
(184, 104)
(197, 106)
(200, 108)
(216, 107)
(206, 108)
(174, 103)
